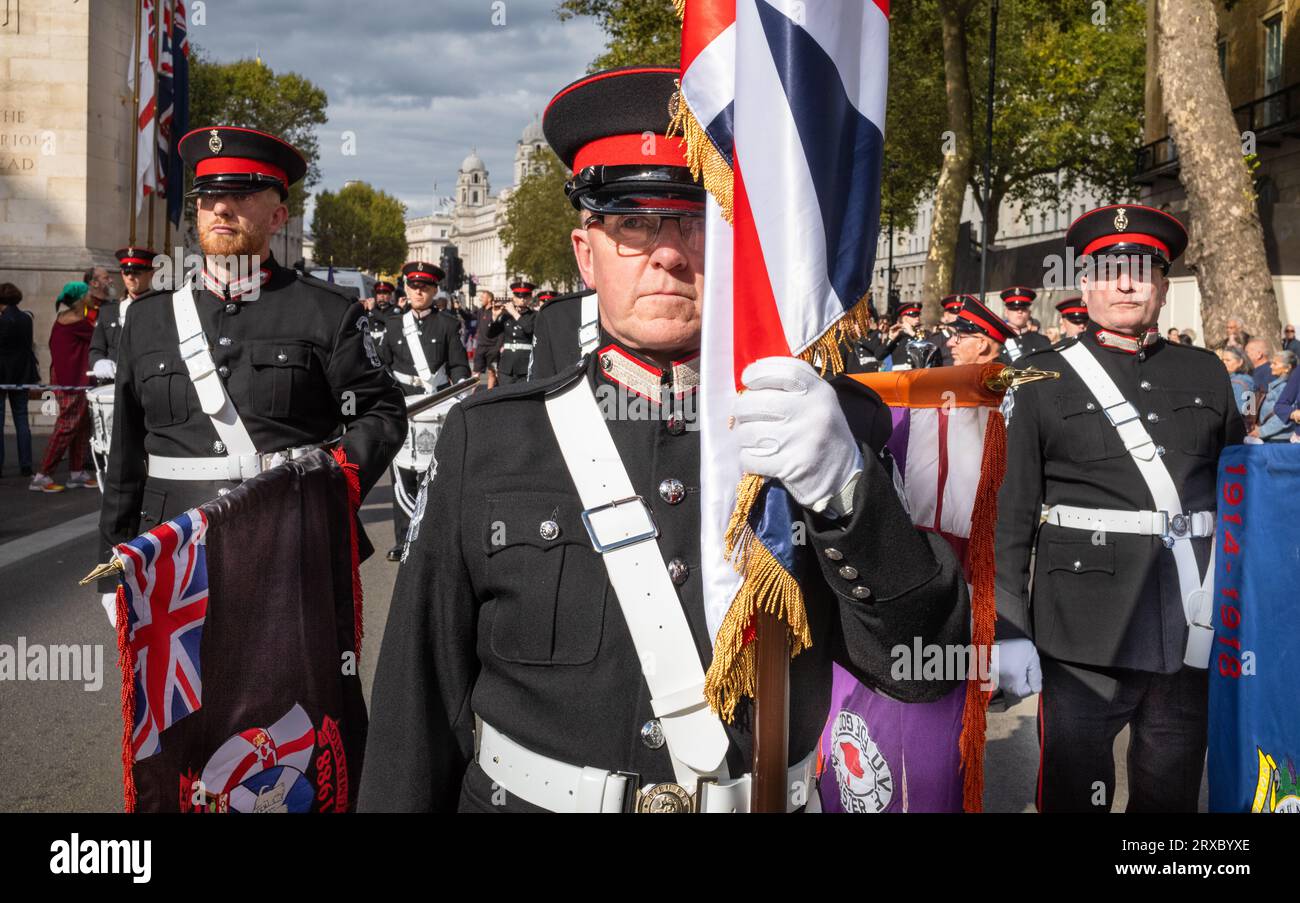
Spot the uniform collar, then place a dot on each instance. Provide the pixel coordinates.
(1124, 344)
(635, 373)
(233, 291)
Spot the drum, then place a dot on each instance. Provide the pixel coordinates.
(416, 452)
(101, 428)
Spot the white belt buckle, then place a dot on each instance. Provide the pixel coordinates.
(650, 531)
(1122, 410)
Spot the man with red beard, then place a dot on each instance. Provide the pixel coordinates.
(248, 363)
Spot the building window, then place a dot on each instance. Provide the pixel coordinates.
(1272, 112)
(475, 178)
(442, 233)
(475, 200)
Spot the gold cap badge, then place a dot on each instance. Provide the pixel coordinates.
(1121, 220)
(214, 142)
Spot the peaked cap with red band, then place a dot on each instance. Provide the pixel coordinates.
(909, 309)
(610, 129)
(1018, 296)
(231, 160)
(951, 303)
(522, 288)
(383, 285)
(134, 259)
(546, 295)
(975, 316)
(422, 273)
(1073, 309)
(1127, 229)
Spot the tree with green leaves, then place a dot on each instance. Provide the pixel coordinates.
(1068, 104)
(538, 220)
(248, 94)
(640, 32)
(361, 227)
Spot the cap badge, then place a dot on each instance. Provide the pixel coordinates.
(1121, 220)
(214, 142)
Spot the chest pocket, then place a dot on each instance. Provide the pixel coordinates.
(1084, 428)
(281, 371)
(1199, 416)
(164, 388)
(550, 587)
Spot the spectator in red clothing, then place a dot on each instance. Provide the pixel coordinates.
(69, 361)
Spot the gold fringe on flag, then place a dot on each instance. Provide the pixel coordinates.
(824, 352)
(767, 587)
(701, 155)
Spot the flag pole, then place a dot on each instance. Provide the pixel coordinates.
(135, 121)
(770, 789)
(157, 93)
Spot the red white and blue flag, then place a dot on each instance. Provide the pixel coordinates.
(165, 582)
(782, 107)
(145, 69)
(173, 105)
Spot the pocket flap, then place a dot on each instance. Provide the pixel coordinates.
(161, 363)
(1080, 557)
(543, 520)
(1073, 404)
(280, 354)
(1181, 398)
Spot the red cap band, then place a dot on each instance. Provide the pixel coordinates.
(631, 150)
(224, 166)
(1106, 241)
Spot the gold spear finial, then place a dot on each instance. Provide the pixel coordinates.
(1011, 378)
(102, 570)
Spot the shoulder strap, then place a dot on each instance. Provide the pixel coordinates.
(121, 311)
(696, 740)
(589, 325)
(1197, 593)
(411, 329)
(197, 355)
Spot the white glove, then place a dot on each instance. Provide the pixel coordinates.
(789, 427)
(1019, 673)
(105, 369)
(109, 601)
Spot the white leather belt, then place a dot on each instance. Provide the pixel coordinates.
(559, 787)
(1197, 525)
(228, 467)
(516, 346)
(407, 379)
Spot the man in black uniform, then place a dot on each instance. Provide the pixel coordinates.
(515, 326)
(908, 347)
(137, 272)
(978, 334)
(566, 328)
(1017, 300)
(952, 305)
(247, 363)
(1123, 448)
(1074, 317)
(506, 613)
(424, 353)
(377, 310)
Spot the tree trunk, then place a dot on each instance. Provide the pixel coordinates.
(954, 174)
(1226, 240)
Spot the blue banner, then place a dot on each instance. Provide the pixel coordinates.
(1254, 742)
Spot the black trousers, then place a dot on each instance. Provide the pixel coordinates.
(406, 486)
(1083, 708)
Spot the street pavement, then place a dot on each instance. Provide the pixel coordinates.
(60, 743)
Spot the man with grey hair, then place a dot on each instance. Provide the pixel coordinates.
(1236, 336)
(1258, 353)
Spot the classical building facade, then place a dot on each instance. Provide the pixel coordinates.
(473, 219)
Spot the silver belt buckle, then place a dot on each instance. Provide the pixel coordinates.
(602, 547)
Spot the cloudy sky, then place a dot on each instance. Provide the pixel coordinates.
(420, 83)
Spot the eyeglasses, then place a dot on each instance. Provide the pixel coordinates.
(639, 231)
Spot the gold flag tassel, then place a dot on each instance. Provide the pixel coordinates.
(702, 157)
(767, 587)
(824, 352)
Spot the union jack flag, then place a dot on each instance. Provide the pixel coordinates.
(165, 584)
(782, 106)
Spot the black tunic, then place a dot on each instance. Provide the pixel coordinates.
(294, 367)
(439, 335)
(516, 342)
(108, 332)
(1024, 345)
(489, 618)
(556, 343)
(1121, 606)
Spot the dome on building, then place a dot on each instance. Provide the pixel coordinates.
(533, 133)
(472, 162)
